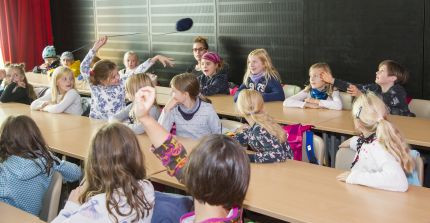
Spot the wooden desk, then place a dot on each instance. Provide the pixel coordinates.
(12, 214)
(300, 192)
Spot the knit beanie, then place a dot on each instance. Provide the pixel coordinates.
(49, 52)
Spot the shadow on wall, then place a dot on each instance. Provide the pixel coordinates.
(233, 54)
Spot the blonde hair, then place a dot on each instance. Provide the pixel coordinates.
(270, 70)
(130, 53)
(59, 72)
(370, 114)
(326, 68)
(187, 82)
(250, 104)
(137, 81)
(20, 69)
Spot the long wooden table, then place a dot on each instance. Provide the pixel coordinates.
(12, 214)
(301, 192)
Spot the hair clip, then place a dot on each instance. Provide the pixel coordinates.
(357, 116)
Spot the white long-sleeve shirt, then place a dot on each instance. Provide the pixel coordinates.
(377, 168)
(70, 103)
(95, 211)
(332, 102)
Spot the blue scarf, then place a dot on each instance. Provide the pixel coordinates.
(317, 94)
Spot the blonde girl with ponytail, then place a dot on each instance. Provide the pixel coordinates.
(263, 135)
(382, 160)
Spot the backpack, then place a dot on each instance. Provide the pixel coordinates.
(295, 138)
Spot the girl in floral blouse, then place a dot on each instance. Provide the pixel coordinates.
(107, 88)
(263, 135)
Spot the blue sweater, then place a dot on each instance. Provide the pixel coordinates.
(23, 183)
(270, 89)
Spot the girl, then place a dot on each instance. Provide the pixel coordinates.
(193, 114)
(212, 81)
(262, 77)
(26, 165)
(131, 59)
(19, 90)
(62, 96)
(4, 80)
(318, 94)
(264, 135)
(200, 47)
(133, 84)
(115, 189)
(107, 88)
(216, 160)
(382, 154)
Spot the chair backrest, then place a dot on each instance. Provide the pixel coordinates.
(420, 107)
(419, 166)
(230, 125)
(319, 149)
(51, 199)
(346, 101)
(344, 158)
(290, 90)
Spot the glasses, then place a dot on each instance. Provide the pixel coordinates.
(199, 49)
(357, 116)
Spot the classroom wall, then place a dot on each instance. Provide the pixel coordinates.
(352, 36)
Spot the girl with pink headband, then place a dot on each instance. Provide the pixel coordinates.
(213, 80)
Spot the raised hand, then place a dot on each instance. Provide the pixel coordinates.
(166, 61)
(143, 101)
(327, 77)
(99, 43)
(353, 90)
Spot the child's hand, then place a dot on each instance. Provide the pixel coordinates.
(342, 177)
(21, 84)
(99, 43)
(143, 101)
(327, 77)
(312, 101)
(311, 105)
(153, 78)
(164, 60)
(171, 104)
(74, 195)
(44, 104)
(353, 90)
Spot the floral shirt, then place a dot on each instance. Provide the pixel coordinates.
(267, 147)
(106, 101)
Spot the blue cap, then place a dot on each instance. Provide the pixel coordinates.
(49, 52)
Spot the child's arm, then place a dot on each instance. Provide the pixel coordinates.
(85, 65)
(276, 93)
(42, 101)
(69, 98)
(122, 115)
(297, 100)
(275, 155)
(241, 87)
(9, 96)
(70, 171)
(218, 86)
(334, 104)
(241, 135)
(143, 67)
(398, 104)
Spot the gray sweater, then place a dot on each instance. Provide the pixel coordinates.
(124, 117)
(204, 122)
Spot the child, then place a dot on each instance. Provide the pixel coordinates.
(318, 94)
(131, 59)
(67, 60)
(262, 77)
(133, 84)
(26, 165)
(62, 96)
(107, 88)
(264, 135)
(19, 90)
(382, 153)
(114, 188)
(217, 160)
(4, 80)
(200, 47)
(50, 61)
(389, 77)
(212, 81)
(193, 114)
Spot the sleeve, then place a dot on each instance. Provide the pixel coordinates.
(166, 119)
(68, 213)
(297, 100)
(274, 91)
(122, 115)
(214, 122)
(275, 155)
(143, 67)
(70, 171)
(36, 104)
(217, 86)
(398, 105)
(241, 87)
(69, 99)
(341, 85)
(353, 143)
(335, 103)
(85, 65)
(9, 96)
(389, 177)
(173, 156)
(242, 137)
